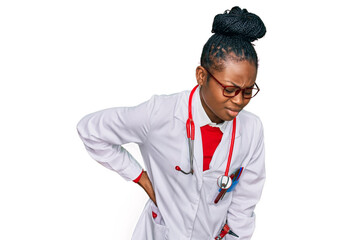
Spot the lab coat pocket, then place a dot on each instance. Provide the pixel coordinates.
(151, 225)
(213, 191)
(158, 225)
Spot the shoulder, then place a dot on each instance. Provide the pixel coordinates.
(164, 107)
(246, 117)
(250, 125)
(169, 100)
(170, 97)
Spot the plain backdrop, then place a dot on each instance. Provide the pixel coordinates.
(60, 60)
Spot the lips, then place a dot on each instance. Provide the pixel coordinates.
(233, 112)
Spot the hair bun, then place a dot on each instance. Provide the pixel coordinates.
(237, 22)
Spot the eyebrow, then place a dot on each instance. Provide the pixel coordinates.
(239, 86)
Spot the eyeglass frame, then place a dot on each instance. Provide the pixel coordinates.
(242, 90)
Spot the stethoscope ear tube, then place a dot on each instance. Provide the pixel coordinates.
(190, 130)
(191, 156)
(224, 182)
(231, 148)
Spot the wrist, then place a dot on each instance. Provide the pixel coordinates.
(136, 180)
(144, 181)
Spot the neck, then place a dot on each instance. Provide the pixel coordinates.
(209, 113)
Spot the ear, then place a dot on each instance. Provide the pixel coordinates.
(201, 75)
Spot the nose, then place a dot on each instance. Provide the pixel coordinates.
(238, 99)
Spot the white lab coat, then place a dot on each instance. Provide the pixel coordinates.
(185, 202)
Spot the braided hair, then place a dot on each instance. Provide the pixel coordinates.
(234, 31)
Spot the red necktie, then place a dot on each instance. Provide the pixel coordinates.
(211, 137)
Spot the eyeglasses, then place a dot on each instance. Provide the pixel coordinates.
(232, 91)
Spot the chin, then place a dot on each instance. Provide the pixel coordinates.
(228, 118)
(230, 115)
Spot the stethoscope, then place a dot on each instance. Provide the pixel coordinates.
(224, 181)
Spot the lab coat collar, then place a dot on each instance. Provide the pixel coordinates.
(181, 113)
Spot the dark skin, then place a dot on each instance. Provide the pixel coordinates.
(235, 73)
(217, 107)
(146, 184)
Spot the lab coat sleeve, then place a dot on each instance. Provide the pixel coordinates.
(241, 217)
(104, 132)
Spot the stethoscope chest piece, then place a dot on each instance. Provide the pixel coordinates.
(224, 182)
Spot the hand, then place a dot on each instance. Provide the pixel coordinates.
(146, 184)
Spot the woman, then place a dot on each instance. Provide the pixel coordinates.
(203, 181)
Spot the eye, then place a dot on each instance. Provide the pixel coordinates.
(230, 89)
(248, 91)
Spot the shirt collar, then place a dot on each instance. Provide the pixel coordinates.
(201, 117)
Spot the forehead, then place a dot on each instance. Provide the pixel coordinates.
(240, 73)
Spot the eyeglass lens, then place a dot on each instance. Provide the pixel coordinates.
(247, 92)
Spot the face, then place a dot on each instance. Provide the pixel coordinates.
(235, 73)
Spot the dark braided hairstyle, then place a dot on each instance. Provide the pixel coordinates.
(234, 31)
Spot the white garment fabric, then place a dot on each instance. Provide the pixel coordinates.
(185, 202)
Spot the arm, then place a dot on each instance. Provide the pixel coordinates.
(104, 132)
(241, 217)
(146, 184)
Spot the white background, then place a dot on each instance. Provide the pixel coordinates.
(60, 60)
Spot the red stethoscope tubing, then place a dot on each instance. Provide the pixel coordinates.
(190, 129)
(190, 126)
(231, 148)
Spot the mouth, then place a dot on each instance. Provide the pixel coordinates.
(234, 109)
(233, 112)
